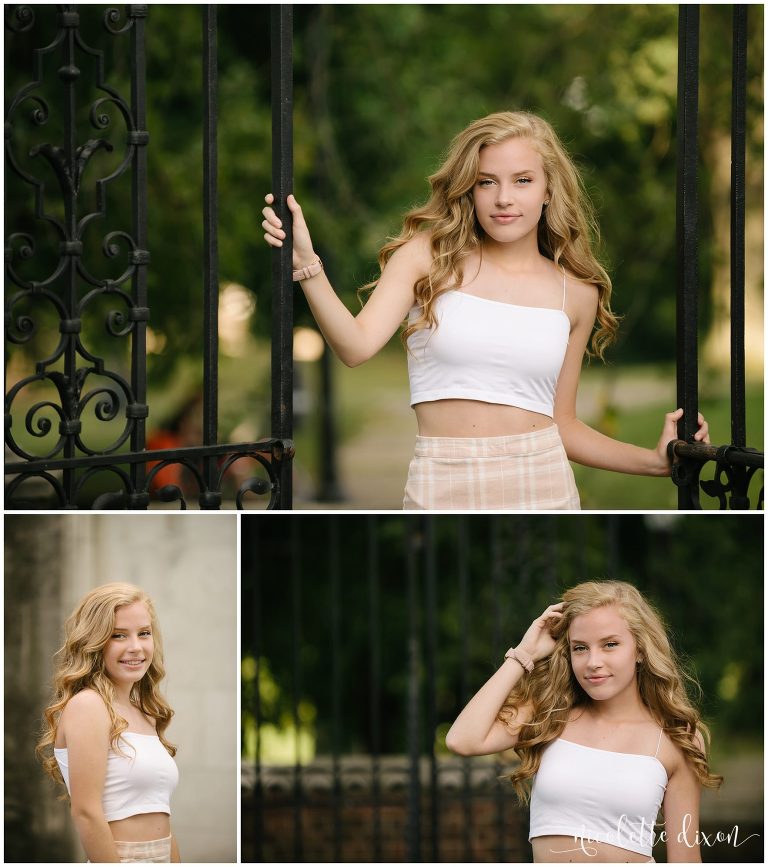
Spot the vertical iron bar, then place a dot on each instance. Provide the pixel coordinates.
(330, 489)
(298, 771)
(523, 584)
(281, 18)
(613, 543)
(335, 685)
(548, 537)
(498, 650)
(413, 822)
(431, 691)
(738, 158)
(464, 626)
(69, 402)
(687, 228)
(211, 254)
(139, 181)
(374, 633)
(253, 569)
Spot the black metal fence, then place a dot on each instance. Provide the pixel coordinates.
(73, 416)
(363, 637)
(735, 465)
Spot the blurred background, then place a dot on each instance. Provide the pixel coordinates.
(379, 92)
(188, 566)
(364, 636)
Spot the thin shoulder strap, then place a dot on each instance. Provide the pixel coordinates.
(656, 754)
(563, 307)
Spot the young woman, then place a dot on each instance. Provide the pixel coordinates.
(500, 288)
(107, 728)
(593, 702)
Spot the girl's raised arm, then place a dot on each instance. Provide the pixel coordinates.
(354, 339)
(85, 725)
(477, 730)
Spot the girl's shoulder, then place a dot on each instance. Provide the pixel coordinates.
(672, 755)
(406, 263)
(581, 298)
(418, 248)
(582, 289)
(84, 715)
(86, 703)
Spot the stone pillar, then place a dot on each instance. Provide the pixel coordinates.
(37, 823)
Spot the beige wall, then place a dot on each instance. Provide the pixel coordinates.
(188, 565)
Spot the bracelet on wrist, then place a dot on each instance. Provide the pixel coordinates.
(520, 656)
(311, 270)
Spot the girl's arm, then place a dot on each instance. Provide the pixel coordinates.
(681, 813)
(477, 730)
(175, 857)
(85, 723)
(354, 339)
(582, 443)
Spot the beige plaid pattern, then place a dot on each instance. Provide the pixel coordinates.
(145, 852)
(524, 471)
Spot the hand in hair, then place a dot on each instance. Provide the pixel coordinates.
(538, 642)
(303, 252)
(478, 731)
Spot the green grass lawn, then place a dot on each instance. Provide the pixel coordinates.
(604, 490)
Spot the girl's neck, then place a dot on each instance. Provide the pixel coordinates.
(520, 255)
(122, 697)
(621, 708)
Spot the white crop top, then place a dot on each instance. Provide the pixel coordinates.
(597, 795)
(489, 351)
(141, 781)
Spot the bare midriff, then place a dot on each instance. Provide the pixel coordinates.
(475, 418)
(142, 827)
(556, 849)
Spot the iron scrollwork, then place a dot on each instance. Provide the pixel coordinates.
(72, 410)
(735, 469)
(269, 455)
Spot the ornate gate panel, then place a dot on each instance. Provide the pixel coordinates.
(72, 413)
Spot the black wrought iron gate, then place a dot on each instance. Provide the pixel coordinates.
(72, 379)
(735, 464)
(65, 466)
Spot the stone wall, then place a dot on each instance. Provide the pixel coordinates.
(351, 813)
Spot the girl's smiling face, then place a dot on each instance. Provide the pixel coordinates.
(510, 190)
(129, 651)
(604, 654)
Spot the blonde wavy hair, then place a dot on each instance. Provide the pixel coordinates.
(552, 691)
(567, 232)
(79, 665)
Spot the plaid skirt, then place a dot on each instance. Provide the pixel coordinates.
(145, 852)
(523, 471)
